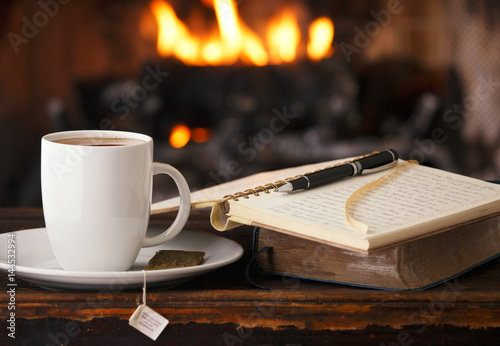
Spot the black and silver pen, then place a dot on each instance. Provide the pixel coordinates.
(365, 165)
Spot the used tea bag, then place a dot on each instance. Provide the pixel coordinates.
(169, 259)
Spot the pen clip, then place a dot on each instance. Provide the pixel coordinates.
(378, 169)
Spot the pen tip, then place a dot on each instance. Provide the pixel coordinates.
(284, 188)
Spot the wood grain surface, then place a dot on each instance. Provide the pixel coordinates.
(223, 308)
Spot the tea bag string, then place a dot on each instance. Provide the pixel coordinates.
(144, 289)
(145, 319)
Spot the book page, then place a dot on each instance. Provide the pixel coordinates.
(412, 195)
(206, 197)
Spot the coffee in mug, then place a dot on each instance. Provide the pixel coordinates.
(96, 194)
(99, 142)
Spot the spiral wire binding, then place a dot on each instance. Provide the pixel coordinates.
(273, 186)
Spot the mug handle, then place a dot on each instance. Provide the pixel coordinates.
(184, 208)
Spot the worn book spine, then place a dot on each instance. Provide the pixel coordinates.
(413, 264)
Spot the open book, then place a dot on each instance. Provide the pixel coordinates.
(210, 196)
(414, 202)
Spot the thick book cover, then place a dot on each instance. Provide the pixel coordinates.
(416, 263)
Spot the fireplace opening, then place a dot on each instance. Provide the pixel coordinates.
(228, 88)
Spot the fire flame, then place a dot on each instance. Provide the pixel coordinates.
(320, 38)
(173, 36)
(236, 41)
(200, 134)
(230, 31)
(180, 136)
(283, 36)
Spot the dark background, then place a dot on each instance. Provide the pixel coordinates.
(418, 76)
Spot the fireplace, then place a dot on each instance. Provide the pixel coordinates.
(229, 88)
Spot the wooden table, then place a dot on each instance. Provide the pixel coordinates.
(222, 308)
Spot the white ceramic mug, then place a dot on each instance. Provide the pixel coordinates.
(97, 198)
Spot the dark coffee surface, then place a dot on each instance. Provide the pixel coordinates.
(99, 142)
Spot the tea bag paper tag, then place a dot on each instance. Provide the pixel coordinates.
(146, 320)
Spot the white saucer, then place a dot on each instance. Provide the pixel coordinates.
(35, 262)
